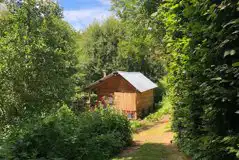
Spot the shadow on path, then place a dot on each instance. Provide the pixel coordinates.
(153, 143)
(154, 151)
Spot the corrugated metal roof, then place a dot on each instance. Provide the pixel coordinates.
(136, 79)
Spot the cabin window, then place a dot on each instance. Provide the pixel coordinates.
(130, 115)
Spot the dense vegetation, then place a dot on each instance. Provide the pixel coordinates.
(206, 91)
(37, 60)
(200, 41)
(107, 47)
(44, 64)
(40, 73)
(64, 135)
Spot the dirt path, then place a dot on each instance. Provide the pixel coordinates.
(153, 143)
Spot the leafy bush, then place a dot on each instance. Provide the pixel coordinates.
(135, 124)
(80, 101)
(200, 39)
(37, 60)
(63, 135)
(202, 47)
(165, 107)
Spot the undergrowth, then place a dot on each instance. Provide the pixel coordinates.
(162, 108)
(64, 135)
(165, 107)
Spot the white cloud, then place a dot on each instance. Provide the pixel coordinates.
(80, 19)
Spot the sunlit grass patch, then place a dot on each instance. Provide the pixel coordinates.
(153, 151)
(165, 107)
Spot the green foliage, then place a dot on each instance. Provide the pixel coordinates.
(196, 40)
(37, 59)
(200, 41)
(135, 124)
(99, 47)
(64, 135)
(164, 108)
(83, 101)
(140, 49)
(115, 45)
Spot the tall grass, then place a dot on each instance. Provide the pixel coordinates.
(164, 108)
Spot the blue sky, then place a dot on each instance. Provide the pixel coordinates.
(80, 13)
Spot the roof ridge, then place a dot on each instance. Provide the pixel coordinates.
(138, 80)
(129, 72)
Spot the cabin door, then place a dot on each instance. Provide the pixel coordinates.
(125, 101)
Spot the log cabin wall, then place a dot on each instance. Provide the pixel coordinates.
(144, 100)
(123, 92)
(114, 84)
(125, 101)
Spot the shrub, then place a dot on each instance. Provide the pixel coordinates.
(135, 124)
(80, 101)
(63, 135)
(203, 72)
(165, 107)
(43, 48)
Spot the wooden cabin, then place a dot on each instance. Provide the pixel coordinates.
(129, 92)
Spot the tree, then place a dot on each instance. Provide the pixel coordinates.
(199, 40)
(141, 48)
(99, 47)
(37, 59)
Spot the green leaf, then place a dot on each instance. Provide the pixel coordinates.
(235, 21)
(224, 42)
(216, 79)
(154, 14)
(236, 64)
(235, 32)
(229, 52)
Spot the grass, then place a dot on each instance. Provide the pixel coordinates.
(154, 136)
(156, 146)
(150, 151)
(165, 107)
(135, 124)
(154, 151)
